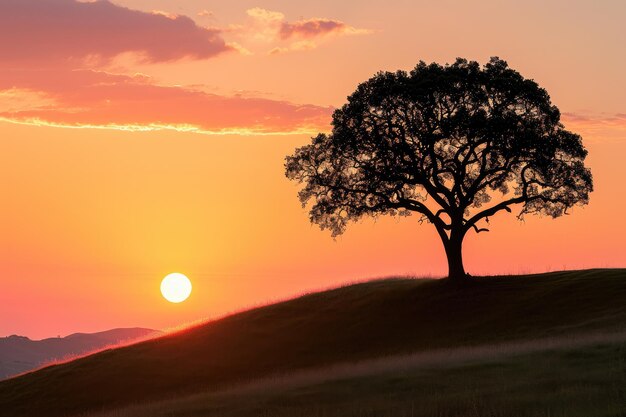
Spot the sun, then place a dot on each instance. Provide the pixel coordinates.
(176, 287)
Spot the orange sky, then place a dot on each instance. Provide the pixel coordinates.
(136, 143)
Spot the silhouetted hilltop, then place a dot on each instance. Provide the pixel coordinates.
(351, 323)
(19, 354)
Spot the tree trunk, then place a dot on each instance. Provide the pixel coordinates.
(456, 271)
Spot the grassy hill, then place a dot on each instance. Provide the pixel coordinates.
(568, 377)
(358, 322)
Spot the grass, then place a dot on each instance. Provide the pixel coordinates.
(353, 323)
(573, 377)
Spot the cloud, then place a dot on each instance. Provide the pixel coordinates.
(303, 45)
(278, 50)
(88, 98)
(272, 27)
(265, 15)
(312, 28)
(51, 73)
(240, 48)
(15, 100)
(61, 30)
(206, 13)
(596, 126)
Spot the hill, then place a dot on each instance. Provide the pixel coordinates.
(19, 354)
(357, 322)
(582, 376)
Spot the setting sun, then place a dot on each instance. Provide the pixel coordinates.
(176, 287)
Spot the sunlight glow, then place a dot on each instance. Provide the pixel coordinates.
(176, 287)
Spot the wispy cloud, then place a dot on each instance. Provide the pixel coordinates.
(87, 98)
(312, 28)
(206, 13)
(596, 126)
(273, 28)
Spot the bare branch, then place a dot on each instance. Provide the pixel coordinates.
(479, 230)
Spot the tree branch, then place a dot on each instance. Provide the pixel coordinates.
(493, 210)
(479, 230)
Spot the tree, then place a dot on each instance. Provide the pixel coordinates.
(455, 143)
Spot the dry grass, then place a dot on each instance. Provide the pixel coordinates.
(566, 376)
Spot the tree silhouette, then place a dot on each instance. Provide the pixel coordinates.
(455, 143)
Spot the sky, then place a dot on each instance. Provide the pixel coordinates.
(143, 137)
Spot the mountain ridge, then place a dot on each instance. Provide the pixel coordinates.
(19, 354)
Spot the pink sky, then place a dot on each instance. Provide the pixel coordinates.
(142, 137)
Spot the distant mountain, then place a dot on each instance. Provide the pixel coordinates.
(20, 354)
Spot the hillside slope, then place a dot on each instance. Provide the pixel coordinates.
(19, 354)
(346, 324)
(583, 376)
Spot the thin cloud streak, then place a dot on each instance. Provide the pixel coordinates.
(596, 126)
(87, 98)
(312, 28)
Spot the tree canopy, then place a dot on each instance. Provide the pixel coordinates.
(454, 143)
